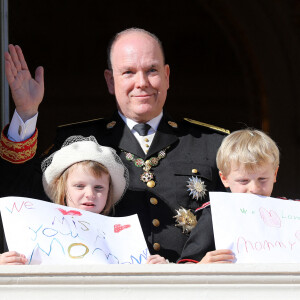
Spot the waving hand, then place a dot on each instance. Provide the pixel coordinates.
(27, 92)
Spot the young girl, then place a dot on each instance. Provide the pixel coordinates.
(84, 175)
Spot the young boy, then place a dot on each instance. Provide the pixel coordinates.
(248, 162)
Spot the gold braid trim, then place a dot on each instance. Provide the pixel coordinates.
(18, 152)
(82, 122)
(208, 125)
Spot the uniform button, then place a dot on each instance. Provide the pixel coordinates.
(151, 184)
(153, 201)
(147, 145)
(155, 222)
(156, 246)
(146, 140)
(194, 171)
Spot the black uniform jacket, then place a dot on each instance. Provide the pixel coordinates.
(189, 148)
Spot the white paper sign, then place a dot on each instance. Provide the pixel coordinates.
(257, 229)
(48, 233)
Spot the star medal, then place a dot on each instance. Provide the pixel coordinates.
(185, 219)
(196, 187)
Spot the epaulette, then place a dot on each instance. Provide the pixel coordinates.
(208, 125)
(78, 123)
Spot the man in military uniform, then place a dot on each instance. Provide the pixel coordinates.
(171, 164)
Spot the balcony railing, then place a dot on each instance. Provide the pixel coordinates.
(142, 282)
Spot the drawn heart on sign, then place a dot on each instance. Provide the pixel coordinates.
(297, 234)
(270, 218)
(70, 212)
(119, 227)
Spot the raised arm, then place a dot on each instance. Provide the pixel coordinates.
(27, 92)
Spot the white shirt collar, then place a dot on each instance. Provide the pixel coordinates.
(153, 123)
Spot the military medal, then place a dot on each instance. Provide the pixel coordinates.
(147, 176)
(185, 219)
(196, 187)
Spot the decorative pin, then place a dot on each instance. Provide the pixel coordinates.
(172, 124)
(196, 187)
(111, 124)
(185, 219)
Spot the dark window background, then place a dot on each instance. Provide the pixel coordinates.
(220, 73)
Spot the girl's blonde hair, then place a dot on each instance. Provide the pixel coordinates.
(249, 147)
(59, 186)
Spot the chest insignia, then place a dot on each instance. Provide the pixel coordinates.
(185, 219)
(196, 188)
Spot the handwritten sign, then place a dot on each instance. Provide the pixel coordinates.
(48, 233)
(257, 229)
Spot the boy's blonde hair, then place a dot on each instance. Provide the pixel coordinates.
(59, 186)
(249, 147)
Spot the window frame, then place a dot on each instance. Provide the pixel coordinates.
(4, 111)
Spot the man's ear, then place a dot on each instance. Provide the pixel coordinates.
(167, 74)
(275, 175)
(223, 179)
(108, 74)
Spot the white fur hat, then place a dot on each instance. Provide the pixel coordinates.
(78, 148)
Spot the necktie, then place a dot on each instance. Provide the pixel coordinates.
(142, 129)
